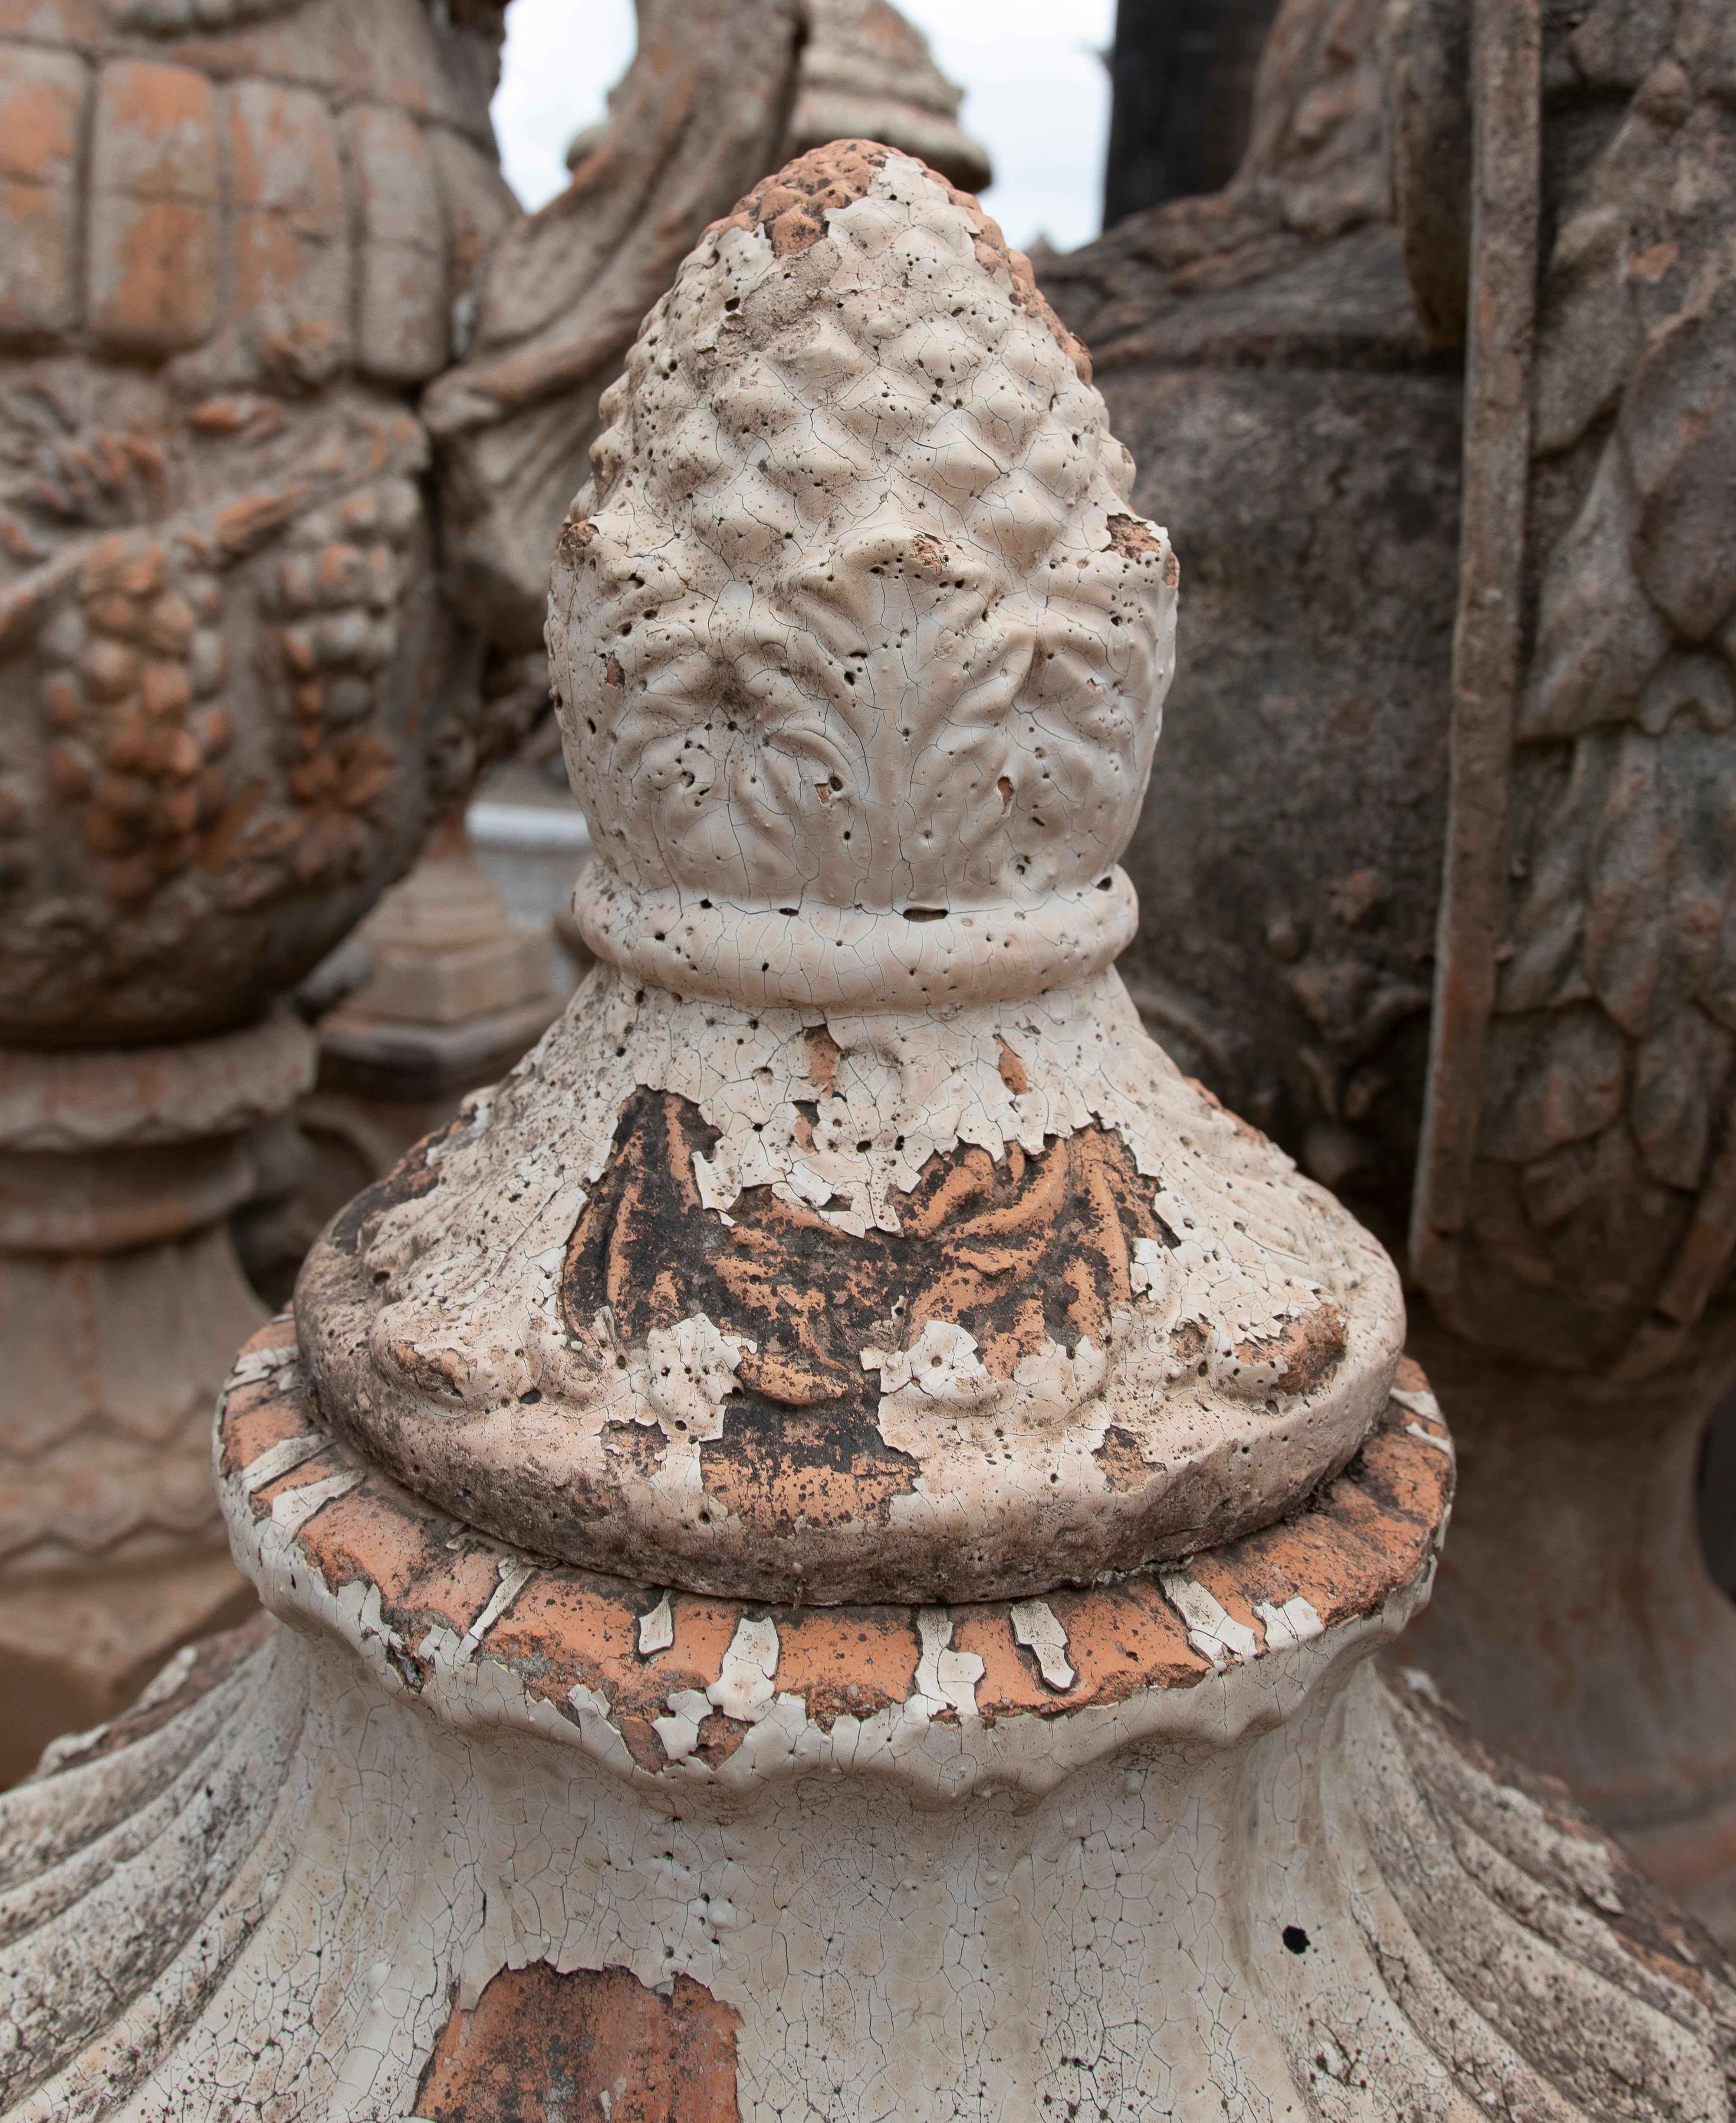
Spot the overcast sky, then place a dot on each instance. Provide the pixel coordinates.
(1037, 96)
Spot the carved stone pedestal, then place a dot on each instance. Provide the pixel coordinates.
(455, 997)
(455, 990)
(121, 1300)
(1499, 740)
(235, 679)
(867, 73)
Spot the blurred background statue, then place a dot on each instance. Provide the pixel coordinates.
(291, 399)
(448, 982)
(1480, 981)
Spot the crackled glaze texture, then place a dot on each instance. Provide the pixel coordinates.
(486, 1839)
(850, 1238)
(840, 1338)
(854, 617)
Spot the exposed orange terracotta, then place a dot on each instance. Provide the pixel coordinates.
(1119, 1639)
(255, 1429)
(1410, 1377)
(791, 207)
(541, 2047)
(425, 1571)
(847, 1661)
(1365, 1535)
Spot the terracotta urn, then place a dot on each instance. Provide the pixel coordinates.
(238, 678)
(833, 1525)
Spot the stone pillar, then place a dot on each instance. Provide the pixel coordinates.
(455, 994)
(444, 954)
(120, 1290)
(835, 1523)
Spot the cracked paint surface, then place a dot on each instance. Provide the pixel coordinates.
(860, 659)
(444, 1338)
(447, 1343)
(408, 1793)
(672, 1685)
(837, 1785)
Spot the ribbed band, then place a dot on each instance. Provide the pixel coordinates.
(845, 957)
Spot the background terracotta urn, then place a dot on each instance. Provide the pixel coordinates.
(241, 670)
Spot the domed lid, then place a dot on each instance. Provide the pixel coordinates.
(865, 69)
(848, 1239)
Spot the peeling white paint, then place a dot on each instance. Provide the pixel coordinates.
(746, 1684)
(656, 1628)
(513, 1577)
(1036, 1627)
(465, 1305)
(269, 1907)
(277, 1460)
(1292, 1621)
(1214, 1633)
(678, 1729)
(1419, 1402)
(946, 1679)
(291, 1511)
(885, 1958)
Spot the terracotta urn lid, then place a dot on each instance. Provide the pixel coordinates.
(682, 1690)
(849, 1239)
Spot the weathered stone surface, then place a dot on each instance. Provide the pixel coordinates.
(856, 935)
(595, 1857)
(1592, 1201)
(151, 272)
(290, 306)
(403, 303)
(1161, 1842)
(42, 97)
(696, 121)
(231, 690)
(1607, 868)
(234, 694)
(118, 1286)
